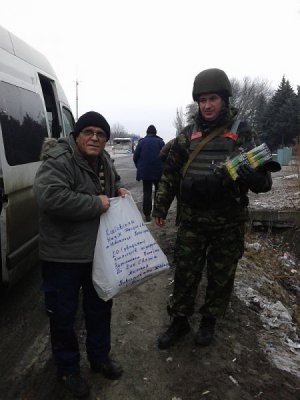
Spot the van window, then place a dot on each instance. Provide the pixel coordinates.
(68, 121)
(49, 93)
(23, 124)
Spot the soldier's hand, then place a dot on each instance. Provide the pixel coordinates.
(105, 202)
(251, 177)
(160, 221)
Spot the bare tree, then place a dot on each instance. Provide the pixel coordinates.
(179, 121)
(118, 130)
(191, 111)
(248, 96)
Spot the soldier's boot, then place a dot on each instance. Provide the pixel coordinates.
(206, 331)
(178, 328)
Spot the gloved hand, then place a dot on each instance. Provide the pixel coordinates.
(254, 179)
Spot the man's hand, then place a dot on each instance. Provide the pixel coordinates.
(160, 221)
(122, 192)
(105, 202)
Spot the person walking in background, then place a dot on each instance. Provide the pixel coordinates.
(149, 166)
(213, 207)
(72, 187)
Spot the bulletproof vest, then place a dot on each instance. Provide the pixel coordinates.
(214, 153)
(201, 182)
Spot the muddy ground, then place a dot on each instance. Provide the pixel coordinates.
(255, 353)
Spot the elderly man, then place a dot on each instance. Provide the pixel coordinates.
(73, 187)
(213, 207)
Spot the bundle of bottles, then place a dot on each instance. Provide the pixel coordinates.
(259, 156)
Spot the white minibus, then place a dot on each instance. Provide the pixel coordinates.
(33, 107)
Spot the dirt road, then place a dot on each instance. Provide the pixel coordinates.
(255, 354)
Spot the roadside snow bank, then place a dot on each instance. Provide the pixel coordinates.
(279, 340)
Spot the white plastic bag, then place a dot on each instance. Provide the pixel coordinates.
(126, 253)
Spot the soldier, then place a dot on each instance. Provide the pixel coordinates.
(213, 207)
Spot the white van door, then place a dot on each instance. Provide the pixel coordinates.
(23, 129)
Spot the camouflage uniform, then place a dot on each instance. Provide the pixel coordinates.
(213, 211)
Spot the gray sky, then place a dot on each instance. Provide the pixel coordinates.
(136, 60)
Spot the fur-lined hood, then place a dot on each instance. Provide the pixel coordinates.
(53, 147)
(49, 143)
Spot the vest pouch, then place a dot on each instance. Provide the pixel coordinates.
(209, 191)
(214, 187)
(200, 187)
(186, 190)
(194, 192)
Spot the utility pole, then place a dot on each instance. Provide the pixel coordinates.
(77, 84)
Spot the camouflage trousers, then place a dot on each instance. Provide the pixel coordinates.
(218, 248)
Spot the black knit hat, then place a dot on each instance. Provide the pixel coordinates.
(151, 129)
(91, 118)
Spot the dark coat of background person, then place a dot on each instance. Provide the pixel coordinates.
(146, 158)
(149, 166)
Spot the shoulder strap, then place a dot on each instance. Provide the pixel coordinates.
(235, 126)
(200, 146)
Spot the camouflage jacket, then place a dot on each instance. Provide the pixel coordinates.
(226, 204)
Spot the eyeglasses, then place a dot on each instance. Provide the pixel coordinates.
(90, 133)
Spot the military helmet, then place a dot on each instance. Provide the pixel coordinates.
(211, 80)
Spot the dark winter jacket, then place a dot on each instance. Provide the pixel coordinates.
(67, 190)
(146, 158)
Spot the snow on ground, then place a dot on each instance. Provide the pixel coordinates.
(284, 195)
(268, 277)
